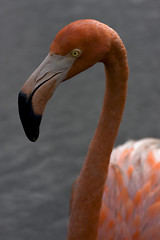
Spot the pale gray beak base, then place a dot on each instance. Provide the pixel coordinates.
(38, 89)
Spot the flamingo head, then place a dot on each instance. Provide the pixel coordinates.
(75, 48)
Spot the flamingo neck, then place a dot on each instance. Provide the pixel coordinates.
(84, 220)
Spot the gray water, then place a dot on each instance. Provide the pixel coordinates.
(35, 178)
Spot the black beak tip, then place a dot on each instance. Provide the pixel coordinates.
(30, 120)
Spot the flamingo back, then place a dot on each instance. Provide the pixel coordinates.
(131, 200)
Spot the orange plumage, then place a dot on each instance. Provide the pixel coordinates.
(131, 197)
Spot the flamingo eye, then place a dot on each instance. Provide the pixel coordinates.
(75, 52)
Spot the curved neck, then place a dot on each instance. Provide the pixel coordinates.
(83, 224)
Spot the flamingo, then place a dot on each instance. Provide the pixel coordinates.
(117, 194)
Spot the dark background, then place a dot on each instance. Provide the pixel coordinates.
(35, 178)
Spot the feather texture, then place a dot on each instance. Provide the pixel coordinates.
(131, 200)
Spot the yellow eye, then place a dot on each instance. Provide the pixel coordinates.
(75, 52)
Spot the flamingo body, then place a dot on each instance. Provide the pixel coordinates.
(131, 199)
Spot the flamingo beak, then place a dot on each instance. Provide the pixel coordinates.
(38, 89)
